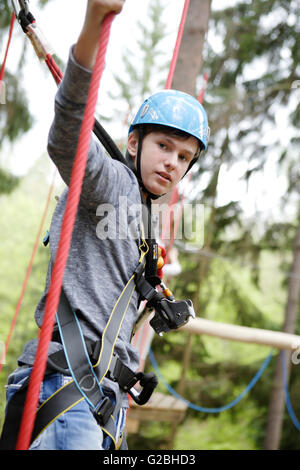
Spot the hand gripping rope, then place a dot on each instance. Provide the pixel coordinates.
(53, 296)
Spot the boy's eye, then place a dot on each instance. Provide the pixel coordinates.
(162, 146)
(182, 157)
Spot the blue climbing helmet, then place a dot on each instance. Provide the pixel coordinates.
(174, 109)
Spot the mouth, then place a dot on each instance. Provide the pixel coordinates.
(165, 177)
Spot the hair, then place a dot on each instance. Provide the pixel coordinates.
(149, 128)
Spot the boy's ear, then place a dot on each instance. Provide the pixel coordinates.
(132, 144)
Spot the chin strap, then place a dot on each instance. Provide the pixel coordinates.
(137, 170)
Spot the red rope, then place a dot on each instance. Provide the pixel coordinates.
(177, 45)
(2, 70)
(175, 196)
(168, 86)
(54, 69)
(37, 241)
(202, 91)
(64, 242)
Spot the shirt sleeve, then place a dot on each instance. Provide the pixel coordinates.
(105, 179)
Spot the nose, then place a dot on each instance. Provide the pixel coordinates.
(171, 161)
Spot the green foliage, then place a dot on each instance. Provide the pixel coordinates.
(21, 215)
(5, 15)
(15, 117)
(8, 182)
(229, 434)
(251, 77)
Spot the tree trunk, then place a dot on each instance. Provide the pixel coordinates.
(187, 70)
(190, 55)
(277, 402)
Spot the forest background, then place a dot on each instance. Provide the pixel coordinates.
(248, 270)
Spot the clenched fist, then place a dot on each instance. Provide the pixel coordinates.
(86, 47)
(98, 9)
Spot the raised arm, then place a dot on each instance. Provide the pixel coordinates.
(86, 47)
(102, 174)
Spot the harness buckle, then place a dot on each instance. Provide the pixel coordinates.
(127, 379)
(103, 411)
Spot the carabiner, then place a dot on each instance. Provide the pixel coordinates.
(149, 382)
(20, 5)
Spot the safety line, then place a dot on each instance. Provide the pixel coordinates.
(2, 70)
(177, 45)
(211, 410)
(202, 91)
(74, 193)
(28, 272)
(286, 393)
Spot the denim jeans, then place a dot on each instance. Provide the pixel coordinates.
(76, 429)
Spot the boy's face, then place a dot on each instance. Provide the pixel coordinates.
(165, 159)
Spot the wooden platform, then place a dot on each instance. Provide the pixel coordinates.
(160, 407)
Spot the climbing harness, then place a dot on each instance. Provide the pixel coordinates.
(88, 363)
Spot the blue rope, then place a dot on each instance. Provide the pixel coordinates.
(211, 410)
(286, 393)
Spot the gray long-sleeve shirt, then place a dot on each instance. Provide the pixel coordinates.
(101, 257)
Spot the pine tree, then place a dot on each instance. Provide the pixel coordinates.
(15, 115)
(260, 38)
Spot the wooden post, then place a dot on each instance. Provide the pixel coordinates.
(275, 339)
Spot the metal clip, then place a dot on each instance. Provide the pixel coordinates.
(103, 411)
(19, 5)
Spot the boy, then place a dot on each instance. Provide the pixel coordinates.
(165, 139)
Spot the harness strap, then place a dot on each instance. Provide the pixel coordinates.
(61, 401)
(87, 377)
(66, 398)
(88, 363)
(13, 418)
(112, 329)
